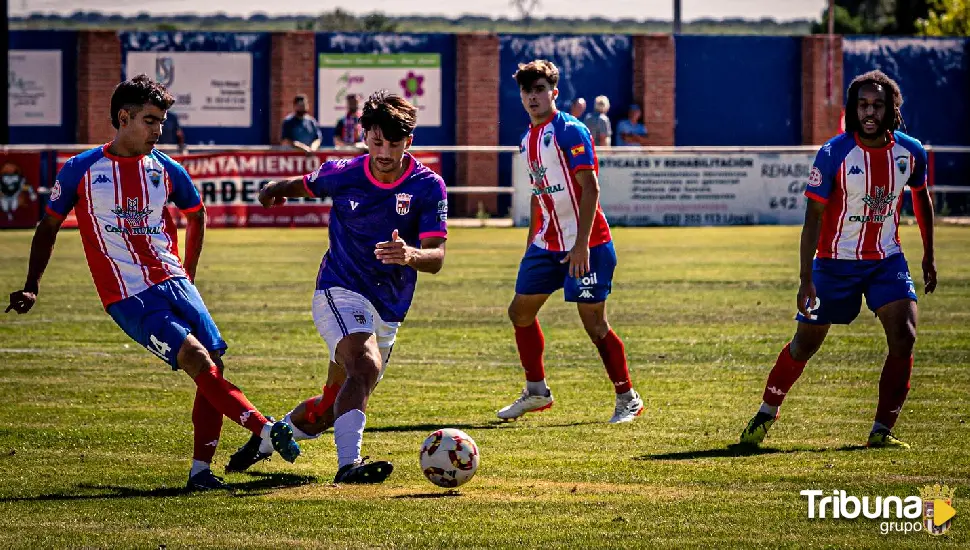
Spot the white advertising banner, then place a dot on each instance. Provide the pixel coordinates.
(639, 189)
(414, 76)
(34, 87)
(213, 89)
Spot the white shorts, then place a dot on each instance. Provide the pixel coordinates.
(338, 312)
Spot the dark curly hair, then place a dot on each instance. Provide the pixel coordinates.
(893, 95)
(391, 113)
(529, 72)
(132, 94)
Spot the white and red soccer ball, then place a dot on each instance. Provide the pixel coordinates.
(449, 457)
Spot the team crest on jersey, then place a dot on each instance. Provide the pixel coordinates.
(537, 172)
(154, 176)
(902, 162)
(815, 177)
(403, 203)
(880, 206)
(56, 191)
(547, 139)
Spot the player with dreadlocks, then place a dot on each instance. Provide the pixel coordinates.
(850, 249)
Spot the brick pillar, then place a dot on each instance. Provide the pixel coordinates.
(820, 117)
(654, 83)
(292, 71)
(477, 119)
(98, 72)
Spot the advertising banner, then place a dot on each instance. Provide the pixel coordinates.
(229, 183)
(414, 76)
(638, 189)
(19, 184)
(34, 87)
(210, 88)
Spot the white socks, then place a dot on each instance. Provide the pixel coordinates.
(266, 445)
(769, 409)
(537, 388)
(198, 466)
(626, 396)
(298, 434)
(348, 432)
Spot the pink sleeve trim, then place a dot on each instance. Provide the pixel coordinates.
(307, 187)
(818, 198)
(50, 212)
(428, 234)
(195, 208)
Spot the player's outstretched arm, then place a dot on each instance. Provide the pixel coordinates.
(430, 258)
(275, 193)
(923, 208)
(41, 249)
(806, 253)
(194, 236)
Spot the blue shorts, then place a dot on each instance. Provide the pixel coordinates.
(840, 285)
(541, 272)
(161, 317)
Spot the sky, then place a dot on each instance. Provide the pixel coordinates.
(781, 10)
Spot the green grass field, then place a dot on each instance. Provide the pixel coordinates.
(95, 432)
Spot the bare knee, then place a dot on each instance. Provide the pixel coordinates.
(804, 346)
(902, 341)
(596, 328)
(362, 365)
(519, 316)
(193, 358)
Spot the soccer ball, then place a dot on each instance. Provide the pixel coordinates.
(449, 458)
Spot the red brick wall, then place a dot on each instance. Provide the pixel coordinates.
(820, 118)
(477, 120)
(292, 71)
(98, 72)
(654, 83)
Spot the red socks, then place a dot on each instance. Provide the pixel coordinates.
(208, 426)
(318, 405)
(614, 359)
(229, 400)
(531, 343)
(783, 376)
(893, 389)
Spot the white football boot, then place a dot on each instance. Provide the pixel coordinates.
(627, 409)
(526, 403)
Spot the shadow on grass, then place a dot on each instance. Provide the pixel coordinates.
(738, 450)
(497, 424)
(446, 494)
(262, 483)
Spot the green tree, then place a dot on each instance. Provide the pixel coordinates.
(887, 17)
(946, 18)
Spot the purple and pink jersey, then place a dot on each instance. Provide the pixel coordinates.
(365, 212)
(129, 238)
(862, 189)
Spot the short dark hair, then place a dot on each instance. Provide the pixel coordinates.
(132, 94)
(298, 98)
(529, 72)
(893, 95)
(391, 113)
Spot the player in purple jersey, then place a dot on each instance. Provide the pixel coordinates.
(382, 201)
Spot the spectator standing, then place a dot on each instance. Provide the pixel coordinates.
(629, 131)
(598, 123)
(300, 130)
